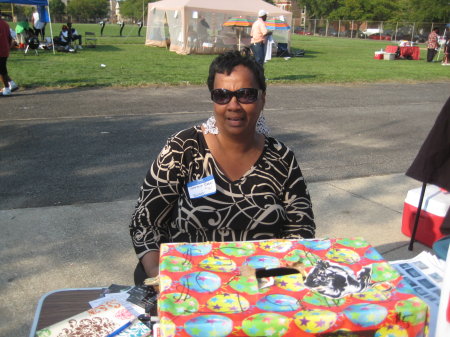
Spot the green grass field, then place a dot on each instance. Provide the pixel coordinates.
(130, 63)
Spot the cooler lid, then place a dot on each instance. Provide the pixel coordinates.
(435, 201)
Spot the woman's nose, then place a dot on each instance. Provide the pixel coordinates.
(234, 103)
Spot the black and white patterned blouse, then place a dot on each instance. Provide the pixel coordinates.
(269, 201)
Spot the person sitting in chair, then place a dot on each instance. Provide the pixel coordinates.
(223, 180)
(73, 34)
(63, 40)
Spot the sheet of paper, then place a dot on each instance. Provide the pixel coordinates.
(425, 274)
(443, 322)
(122, 299)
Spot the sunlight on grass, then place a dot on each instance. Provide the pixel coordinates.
(130, 63)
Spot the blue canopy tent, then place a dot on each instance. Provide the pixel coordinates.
(27, 2)
(42, 7)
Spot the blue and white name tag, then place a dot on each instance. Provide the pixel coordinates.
(202, 187)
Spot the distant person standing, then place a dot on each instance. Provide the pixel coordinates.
(202, 29)
(432, 44)
(38, 24)
(259, 33)
(446, 60)
(6, 43)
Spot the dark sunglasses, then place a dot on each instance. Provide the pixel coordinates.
(243, 95)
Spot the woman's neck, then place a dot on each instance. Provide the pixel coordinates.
(239, 144)
(235, 156)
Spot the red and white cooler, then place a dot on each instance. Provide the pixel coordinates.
(436, 202)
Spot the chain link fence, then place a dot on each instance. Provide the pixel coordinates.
(376, 30)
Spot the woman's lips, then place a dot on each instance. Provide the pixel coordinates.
(235, 121)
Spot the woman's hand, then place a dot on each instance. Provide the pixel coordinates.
(150, 261)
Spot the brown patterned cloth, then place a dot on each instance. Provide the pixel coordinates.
(270, 201)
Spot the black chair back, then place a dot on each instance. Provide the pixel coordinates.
(33, 42)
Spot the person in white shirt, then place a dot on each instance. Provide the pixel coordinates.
(38, 25)
(259, 35)
(63, 38)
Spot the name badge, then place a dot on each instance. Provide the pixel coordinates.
(202, 187)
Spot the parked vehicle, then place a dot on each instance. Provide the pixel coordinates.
(352, 33)
(301, 31)
(386, 37)
(420, 38)
(370, 31)
(330, 32)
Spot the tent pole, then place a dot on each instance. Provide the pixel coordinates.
(239, 44)
(51, 27)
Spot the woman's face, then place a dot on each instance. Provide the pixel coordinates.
(236, 118)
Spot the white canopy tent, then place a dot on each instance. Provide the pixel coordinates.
(196, 26)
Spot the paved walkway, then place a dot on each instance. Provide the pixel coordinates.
(88, 245)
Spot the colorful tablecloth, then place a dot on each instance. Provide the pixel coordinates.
(413, 52)
(338, 285)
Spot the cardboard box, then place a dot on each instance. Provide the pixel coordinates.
(389, 56)
(435, 205)
(289, 288)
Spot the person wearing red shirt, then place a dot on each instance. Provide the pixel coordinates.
(6, 42)
(432, 44)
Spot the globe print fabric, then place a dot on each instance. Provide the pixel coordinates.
(333, 286)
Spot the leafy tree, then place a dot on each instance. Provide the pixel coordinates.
(405, 12)
(318, 9)
(349, 10)
(383, 10)
(375, 10)
(379, 10)
(425, 10)
(88, 9)
(57, 9)
(133, 8)
(8, 10)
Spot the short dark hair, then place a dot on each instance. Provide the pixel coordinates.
(226, 62)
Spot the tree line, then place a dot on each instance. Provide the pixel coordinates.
(79, 10)
(378, 10)
(367, 10)
(76, 10)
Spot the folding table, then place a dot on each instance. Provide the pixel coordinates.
(60, 304)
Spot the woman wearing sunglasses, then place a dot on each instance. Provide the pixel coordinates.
(225, 180)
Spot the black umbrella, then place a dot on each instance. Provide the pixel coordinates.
(432, 163)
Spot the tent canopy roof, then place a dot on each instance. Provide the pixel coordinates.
(247, 7)
(27, 2)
